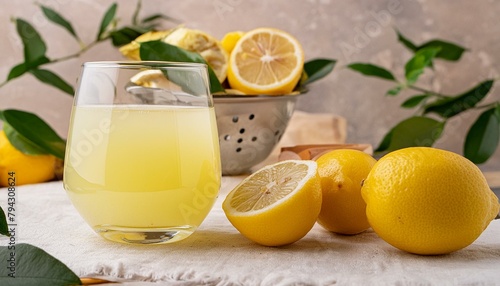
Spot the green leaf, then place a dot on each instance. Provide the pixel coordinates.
(157, 17)
(451, 106)
(448, 51)
(36, 131)
(125, 35)
(483, 136)
(22, 143)
(414, 101)
(300, 86)
(372, 70)
(34, 266)
(34, 46)
(56, 18)
(317, 69)
(36, 63)
(51, 78)
(416, 65)
(406, 42)
(414, 131)
(4, 228)
(106, 20)
(17, 71)
(385, 143)
(160, 51)
(22, 68)
(394, 91)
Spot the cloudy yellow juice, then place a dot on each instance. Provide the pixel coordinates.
(137, 172)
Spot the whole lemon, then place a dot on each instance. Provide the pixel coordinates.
(428, 201)
(28, 169)
(343, 210)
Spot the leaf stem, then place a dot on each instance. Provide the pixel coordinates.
(77, 54)
(82, 50)
(426, 91)
(487, 105)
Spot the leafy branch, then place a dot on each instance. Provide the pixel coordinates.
(26, 131)
(424, 129)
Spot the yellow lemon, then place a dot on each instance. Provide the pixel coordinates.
(342, 172)
(189, 39)
(428, 201)
(206, 45)
(131, 50)
(28, 169)
(230, 39)
(278, 204)
(266, 61)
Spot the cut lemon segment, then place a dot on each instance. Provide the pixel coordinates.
(131, 50)
(207, 46)
(230, 39)
(266, 61)
(278, 204)
(189, 39)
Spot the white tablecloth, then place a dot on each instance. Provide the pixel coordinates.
(216, 254)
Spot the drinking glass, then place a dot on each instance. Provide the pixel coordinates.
(142, 160)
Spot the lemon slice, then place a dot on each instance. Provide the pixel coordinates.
(266, 61)
(278, 204)
(207, 46)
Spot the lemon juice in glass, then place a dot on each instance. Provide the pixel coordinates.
(142, 161)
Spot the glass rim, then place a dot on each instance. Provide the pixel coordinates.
(135, 64)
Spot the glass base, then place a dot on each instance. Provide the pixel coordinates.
(130, 235)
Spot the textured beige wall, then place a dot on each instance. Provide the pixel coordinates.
(355, 30)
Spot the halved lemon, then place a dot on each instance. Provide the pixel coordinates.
(278, 204)
(266, 61)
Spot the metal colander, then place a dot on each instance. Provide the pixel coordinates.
(249, 128)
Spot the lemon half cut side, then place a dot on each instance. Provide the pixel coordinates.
(278, 204)
(266, 61)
